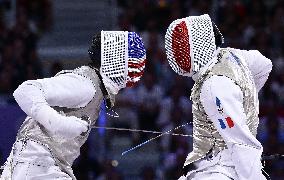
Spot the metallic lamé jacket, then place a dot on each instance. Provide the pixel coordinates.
(65, 151)
(206, 138)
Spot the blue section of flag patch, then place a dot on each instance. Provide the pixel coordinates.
(223, 126)
(136, 47)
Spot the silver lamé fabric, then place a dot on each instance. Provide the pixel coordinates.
(65, 151)
(205, 135)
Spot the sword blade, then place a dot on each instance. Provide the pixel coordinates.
(162, 134)
(140, 130)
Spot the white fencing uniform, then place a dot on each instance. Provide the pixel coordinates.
(224, 102)
(62, 110)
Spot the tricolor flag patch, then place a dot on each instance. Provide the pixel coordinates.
(229, 123)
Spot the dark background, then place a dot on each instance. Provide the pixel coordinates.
(40, 37)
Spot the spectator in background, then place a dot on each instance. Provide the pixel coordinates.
(85, 167)
(176, 99)
(6, 79)
(110, 172)
(55, 68)
(23, 30)
(175, 148)
(18, 58)
(278, 172)
(149, 95)
(34, 64)
(278, 88)
(173, 163)
(39, 13)
(155, 53)
(171, 144)
(127, 111)
(271, 131)
(148, 173)
(3, 34)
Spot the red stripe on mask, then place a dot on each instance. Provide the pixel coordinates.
(137, 65)
(135, 74)
(181, 47)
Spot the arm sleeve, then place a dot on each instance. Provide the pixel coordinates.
(259, 65)
(66, 90)
(223, 103)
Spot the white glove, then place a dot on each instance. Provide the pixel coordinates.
(67, 127)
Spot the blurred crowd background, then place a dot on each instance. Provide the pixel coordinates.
(161, 100)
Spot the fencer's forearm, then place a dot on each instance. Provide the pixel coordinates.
(68, 127)
(30, 98)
